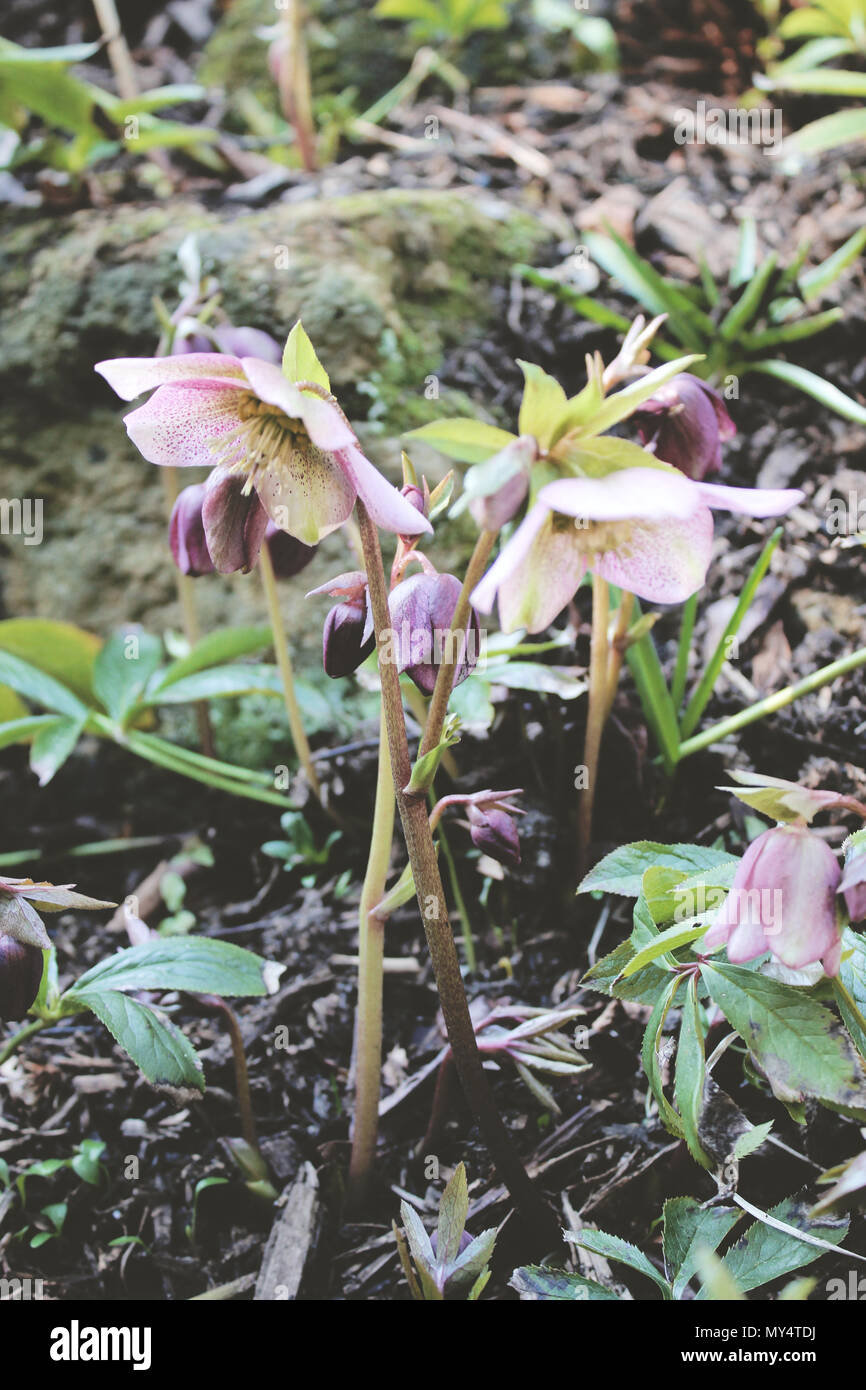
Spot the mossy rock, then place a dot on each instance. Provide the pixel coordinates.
(385, 284)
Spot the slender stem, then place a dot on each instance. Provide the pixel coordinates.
(454, 647)
(368, 1021)
(773, 702)
(434, 910)
(596, 713)
(138, 744)
(118, 52)
(687, 627)
(284, 662)
(12, 1044)
(242, 1075)
(616, 650)
(294, 86)
(186, 599)
(460, 903)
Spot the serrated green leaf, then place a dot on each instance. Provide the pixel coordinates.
(690, 1075)
(197, 964)
(765, 1253)
(614, 1248)
(34, 684)
(217, 648)
(623, 869)
(538, 1283)
(123, 668)
(688, 1227)
(453, 1210)
(797, 1043)
(156, 1046)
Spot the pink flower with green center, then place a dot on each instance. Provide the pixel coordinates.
(242, 417)
(647, 530)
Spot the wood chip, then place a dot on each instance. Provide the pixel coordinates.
(292, 1239)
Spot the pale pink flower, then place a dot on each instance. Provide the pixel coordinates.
(647, 530)
(783, 900)
(242, 417)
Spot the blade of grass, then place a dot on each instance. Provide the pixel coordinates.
(658, 707)
(687, 627)
(813, 385)
(698, 702)
(742, 313)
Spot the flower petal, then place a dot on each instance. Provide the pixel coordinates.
(750, 501)
(177, 425)
(661, 561)
(645, 493)
(323, 420)
(536, 574)
(309, 496)
(234, 522)
(130, 376)
(385, 503)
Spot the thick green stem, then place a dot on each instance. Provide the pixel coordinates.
(12, 1044)
(284, 662)
(445, 676)
(772, 703)
(368, 1021)
(434, 909)
(596, 712)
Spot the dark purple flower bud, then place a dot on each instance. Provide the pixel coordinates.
(684, 424)
(422, 608)
(344, 645)
(348, 636)
(288, 555)
(494, 832)
(247, 342)
(20, 976)
(234, 522)
(186, 533)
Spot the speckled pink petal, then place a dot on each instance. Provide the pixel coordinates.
(130, 376)
(176, 426)
(661, 561)
(646, 493)
(536, 574)
(386, 505)
(750, 501)
(323, 421)
(308, 496)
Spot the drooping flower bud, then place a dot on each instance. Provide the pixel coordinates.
(240, 341)
(853, 883)
(20, 976)
(494, 832)
(288, 555)
(348, 637)
(422, 608)
(186, 533)
(684, 424)
(234, 523)
(189, 339)
(496, 488)
(782, 900)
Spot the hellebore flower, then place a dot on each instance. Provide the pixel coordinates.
(496, 488)
(853, 883)
(422, 608)
(348, 637)
(288, 555)
(783, 900)
(234, 523)
(20, 976)
(289, 441)
(186, 533)
(494, 832)
(647, 530)
(684, 424)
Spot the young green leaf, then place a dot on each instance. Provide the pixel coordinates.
(197, 964)
(690, 1075)
(156, 1046)
(688, 1227)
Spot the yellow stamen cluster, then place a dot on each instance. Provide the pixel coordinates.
(266, 438)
